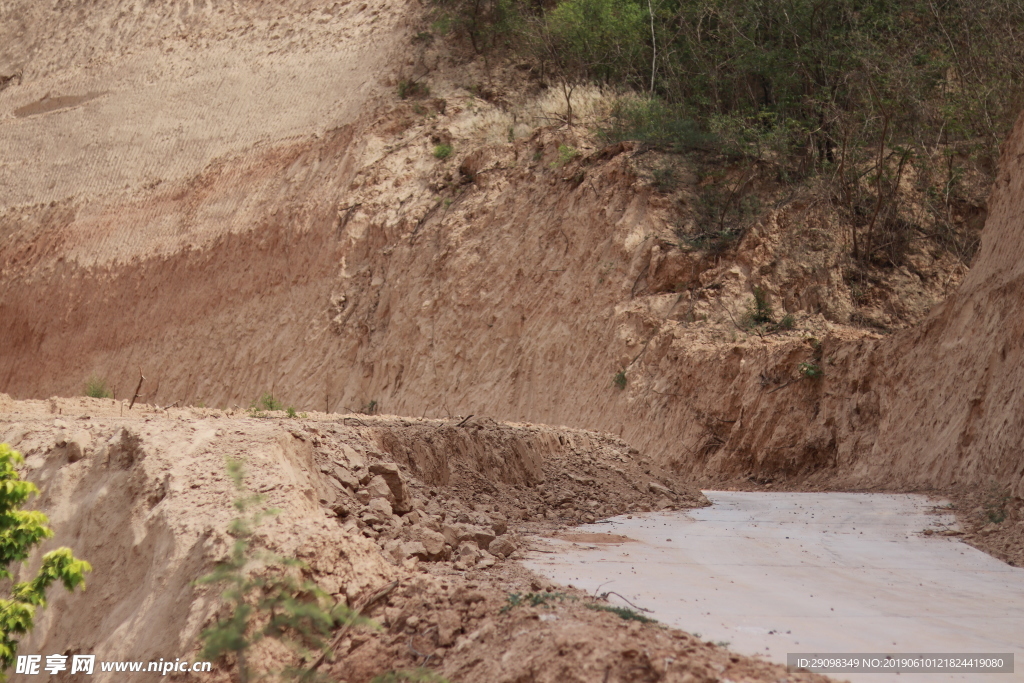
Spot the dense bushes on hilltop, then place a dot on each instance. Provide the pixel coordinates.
(858, 90)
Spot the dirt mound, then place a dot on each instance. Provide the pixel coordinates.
(147, 500)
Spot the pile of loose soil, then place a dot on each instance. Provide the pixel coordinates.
(416, 522)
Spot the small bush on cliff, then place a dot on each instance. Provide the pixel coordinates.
(20, 532)
(266, 596)
(264, 402)
(97, 388)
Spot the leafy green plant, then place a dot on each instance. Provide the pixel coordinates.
(290, 412)
(620, 380)
(20, 532)
(760, 313)
(811, 370)
(534, 600)
(442, 151)
(264, 402)
(266, 596)
(995, 505)
(96, 387)
(409, 88)
(623, 612)
(656, 124)
(565, 155)
(788, 322)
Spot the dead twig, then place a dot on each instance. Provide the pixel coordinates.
(363, 605)
(782, 386)
(138, 388)
(464, 421)
(605, 597)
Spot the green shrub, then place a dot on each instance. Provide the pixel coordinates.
(788, 322)
(656, 124)
(442, 151)
(290, 412)
(97, 388)
(760, 312)
(409, 88)
(565, 155)
(271, 601)
(264, 402)
(624, 612)
(20, 532)
(811, 370)
(620, 380)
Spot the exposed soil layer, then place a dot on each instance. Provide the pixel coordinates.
(145, 497)
(327, 255)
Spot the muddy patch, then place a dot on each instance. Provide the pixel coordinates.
(48, 104)
(595, 538)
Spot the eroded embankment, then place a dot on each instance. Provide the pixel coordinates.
(340, 264)
(146, 499)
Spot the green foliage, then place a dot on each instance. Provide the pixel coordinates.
(487, 24)
(290, 412)
(601, 40)
(534, 600)
(408, 88)
(788, 322)
(811, 370)
(994, 506)
(565, 155)
(850, 91)
(267, 596)
(96, 387)
(760, 313)
(657, 124)
(624, 612)
(20, 532)
(442, 151)
(264, 402)
(620, 380)
(421, 675)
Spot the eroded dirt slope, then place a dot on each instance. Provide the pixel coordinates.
(429, 516)
(331, 257)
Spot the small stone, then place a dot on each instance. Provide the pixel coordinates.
(401, 498)
(378, 488)
(501, 547)
(353, 458)
(344, 477)
(340, 507)
(433, 542)
(377, 511)
(78, 445)
(659, 489)
(483, 537)
(499, 524)
(469, 553)
(414, 549)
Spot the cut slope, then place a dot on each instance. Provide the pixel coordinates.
(147, 500)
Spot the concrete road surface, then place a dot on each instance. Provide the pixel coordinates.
(774, 573)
